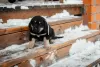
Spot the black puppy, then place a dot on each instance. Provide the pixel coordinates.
(41, 31)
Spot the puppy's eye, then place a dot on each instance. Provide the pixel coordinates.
(35, 21)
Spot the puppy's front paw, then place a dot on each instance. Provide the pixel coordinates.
(47, 47)
(46, 43)
(30, 45)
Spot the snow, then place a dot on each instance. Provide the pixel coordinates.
(24, 7)
(32, 62)
(71, 33)
(1, 20)
(9, 6)
(80, 46)
(61, 15)
(27, 3)
(15, 66)
(73, 1)
(87, 53)
(5, 25)
(39, 3)
(12, 49)
(18, 22)
(64, 15)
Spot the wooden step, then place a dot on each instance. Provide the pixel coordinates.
(95, 63)
(44, 10)
(40, 54)
(18, 35)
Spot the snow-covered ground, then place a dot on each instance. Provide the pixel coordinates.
(85, 52)
(64, 15)
(1, 20)
(82, 53)
(71, 33)
(39, 3)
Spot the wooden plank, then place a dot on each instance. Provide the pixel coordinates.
(57, 29)
(39, 10)
(10, 30)
(94, 34)
(24, 28)
(25, 64)
(61, 53)
(65, 21)
(72, 24)
(15, 38)
(95, 63)
(13, 30)
(9, 35)
(77, 21)
(2, 31)
(42, 52)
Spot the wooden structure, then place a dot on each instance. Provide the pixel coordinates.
(92, 13)
(18, 35)
(40, 54)
(44, 10)
(92, 18)
(95, 63)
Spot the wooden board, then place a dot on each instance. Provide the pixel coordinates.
(72, 22)
(18, 35)
(95, 63)
(15, 38)
(42, 53)
(46, 10)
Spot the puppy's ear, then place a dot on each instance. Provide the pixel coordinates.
(31, 21)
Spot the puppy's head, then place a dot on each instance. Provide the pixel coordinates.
(37, 24)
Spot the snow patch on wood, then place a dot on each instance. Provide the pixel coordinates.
(87, 53)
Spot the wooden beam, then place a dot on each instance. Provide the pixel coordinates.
(95, 63)
(18, 35)
(38, 10)
(41, 53)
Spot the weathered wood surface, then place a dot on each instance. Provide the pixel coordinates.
(72, 22)
(9, 13)
(14, 38)
(18, 35)
(62, 51)
(95, 63)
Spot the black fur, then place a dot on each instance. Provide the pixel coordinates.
(12, 1)
(35, 24)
